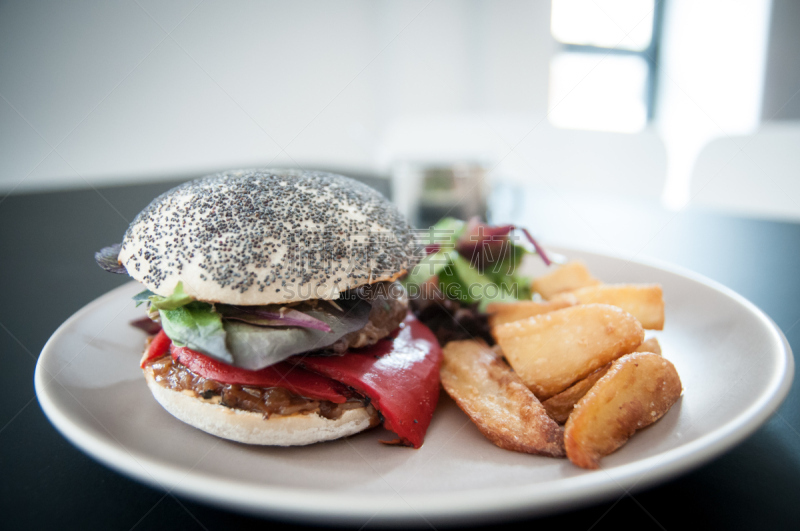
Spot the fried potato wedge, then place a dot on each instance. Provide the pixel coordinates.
(552, 351)
(497, 401)
(501, 313)
(636, 391)
(650, 345)
(560, 406)
(643, 301)
(568, 277)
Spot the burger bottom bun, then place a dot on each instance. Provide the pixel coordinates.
(252, 428)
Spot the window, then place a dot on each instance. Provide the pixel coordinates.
(603, 76)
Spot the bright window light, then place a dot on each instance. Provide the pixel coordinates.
(621, 24)
(599, 92)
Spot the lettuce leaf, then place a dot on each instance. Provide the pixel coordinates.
(143, 296)
(505, 274)
(443, 235)
(439, 242)
(196, 325)
(255, 347)
(173, 302)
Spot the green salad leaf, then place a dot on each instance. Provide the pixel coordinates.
(444, 234)
(176, 300)
(474, 283)
(428, 267)
(440, 242)
(513, 285)
(196, 325)
(142, 297)
(187, 322)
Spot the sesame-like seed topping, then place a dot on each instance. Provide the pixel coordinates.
(251, 229)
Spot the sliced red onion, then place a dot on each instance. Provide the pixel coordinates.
(259, 317)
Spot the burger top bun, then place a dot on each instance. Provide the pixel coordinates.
(267, 236)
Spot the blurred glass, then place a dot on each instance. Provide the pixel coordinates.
(598, 92)
(435, 191)
(622, 24)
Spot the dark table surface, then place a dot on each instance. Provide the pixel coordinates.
(47, 243)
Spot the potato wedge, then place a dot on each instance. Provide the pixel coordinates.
(643, 301)
(552, 351)
(568, 277)
(560, 406)
(497, 401)
(636, 391)
(650, 345)
(501, 313)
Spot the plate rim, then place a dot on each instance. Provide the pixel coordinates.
(461, 506)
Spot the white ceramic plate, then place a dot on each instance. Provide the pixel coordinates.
(735, 364)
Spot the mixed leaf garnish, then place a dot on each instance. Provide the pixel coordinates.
(473, 262)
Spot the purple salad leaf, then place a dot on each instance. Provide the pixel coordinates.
(108, 259)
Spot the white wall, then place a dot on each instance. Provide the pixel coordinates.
(101, 92)
(97, 92)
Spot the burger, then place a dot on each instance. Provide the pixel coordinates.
(275, 309)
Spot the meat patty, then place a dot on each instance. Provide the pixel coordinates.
(389, 307)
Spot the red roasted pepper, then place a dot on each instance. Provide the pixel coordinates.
(296, 379)
(400, 375)
(159, 346)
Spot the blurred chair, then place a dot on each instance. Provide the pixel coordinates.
(757, 175)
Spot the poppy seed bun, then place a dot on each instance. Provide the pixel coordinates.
(267, 236)
(252, 428)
